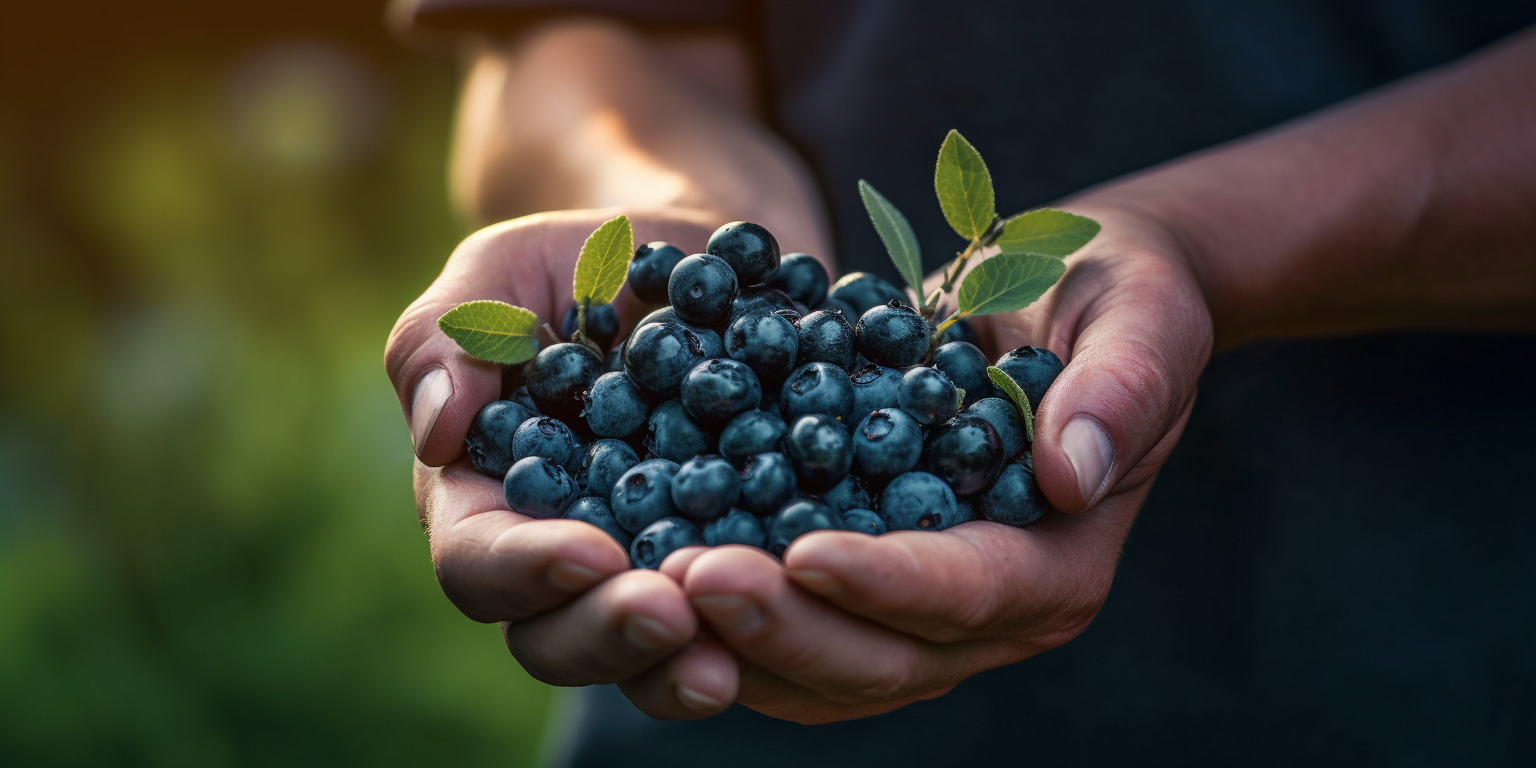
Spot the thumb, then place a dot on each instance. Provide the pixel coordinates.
(1115, 412)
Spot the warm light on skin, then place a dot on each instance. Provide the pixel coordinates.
(616, 171)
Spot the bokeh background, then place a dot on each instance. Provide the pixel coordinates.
(210, 216)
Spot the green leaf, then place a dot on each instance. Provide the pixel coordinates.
(492, 331)
(604, 262)
(1047, 231)
(900, 241)
(964, 187)
(1016, 394)
(1008, 282)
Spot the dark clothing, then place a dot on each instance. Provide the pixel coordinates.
(1331, 568)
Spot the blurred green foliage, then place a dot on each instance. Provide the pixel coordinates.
(208, 548)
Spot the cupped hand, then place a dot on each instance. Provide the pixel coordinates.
(571, 611)
(851, 625)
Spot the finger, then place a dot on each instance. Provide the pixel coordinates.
(497, 565)
(1039, 585)
(744, 596)
(699, 681)
(613, 632)
(765, 692)
(676, 564)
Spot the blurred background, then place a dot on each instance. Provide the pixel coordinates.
(211, 215)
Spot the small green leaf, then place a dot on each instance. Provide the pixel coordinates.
(1008, 282)
(959, 398)
(604, 262)
(964, 187)
(900, 241)
(1047, 231)
(1016, 394)
(492, 331)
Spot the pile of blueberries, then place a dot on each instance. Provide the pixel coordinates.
(765, 404)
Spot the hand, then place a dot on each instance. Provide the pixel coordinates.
(571, 611)
(852, 625)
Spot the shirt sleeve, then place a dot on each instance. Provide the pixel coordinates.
(494, 15)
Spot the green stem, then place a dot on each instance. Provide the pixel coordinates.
(938, 332)
(951, 274)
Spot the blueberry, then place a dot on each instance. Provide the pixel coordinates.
(602, 324)
(1014, 498)
(643, 495)
(893, 335)
(917, 501)
(709, 340)
(615, 406)
(798, 518)
(538, 487)
(887, 443)
(928, 396)
(752, 433)
(820, 451)
(550, 438)
(863, 291)
(862, 521)
(760, 300)
(1004, 417)
(489, 441)
(659, 355)
(614, 360)
(748, 248)
(595, 510)
(966, 366)
(767, 482)
(705, 487)
(826, 337)
(650, 270)
(737, 527)
(802, 277)
(660, 539)
(840, 305)
(849, 493)
(817, 388)
(793, 316)
(965, 511)
(603, 463)
(965, 452)
(702, 288)
(961, 330)
(672, 435)
(874, 387)
(1034, 368)
(767, 343)
(558, 376)
(715, 391)
(521, 397)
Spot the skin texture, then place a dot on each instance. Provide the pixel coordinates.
(1339, 222)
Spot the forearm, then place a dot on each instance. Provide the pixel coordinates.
(587, 114)
(1411, 206)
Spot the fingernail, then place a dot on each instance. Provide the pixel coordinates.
(432, 392)
(819, 582)
(1090, 451)
(648, 634)
(567, 576)
(736, 613)
(697, 701)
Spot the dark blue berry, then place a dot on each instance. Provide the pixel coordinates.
(966, 367)
(1004, 417)
(603, 463)
(702, 288)
(602, 324)
(550, 438)
(863, 291)
(874, 387)
(705, 487)
(849, 493)
(802, 277)
(659, 355)
(826, 337)
(817, 388)
(820, 451)
(671, 434)
(862, 521)
(961, 330)
(521, 397)
(749, 248)
(614, 360)
(595, 511)
(965, 511)
(1014, 498)
(752, 433)
(928, 396)
(844, 307)
(767, 482)
(766, 343)
(893, 335)
(660, 539)
(964, 452)
(615, 406)
(489, 441)
(798, 518)
(715, 391)
(917, 501)
(538, 487)
(558, 376)
(643, 495)
(887, 443)
(650, 270)
(1034, 368)
(737, 527)
(760, 300)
